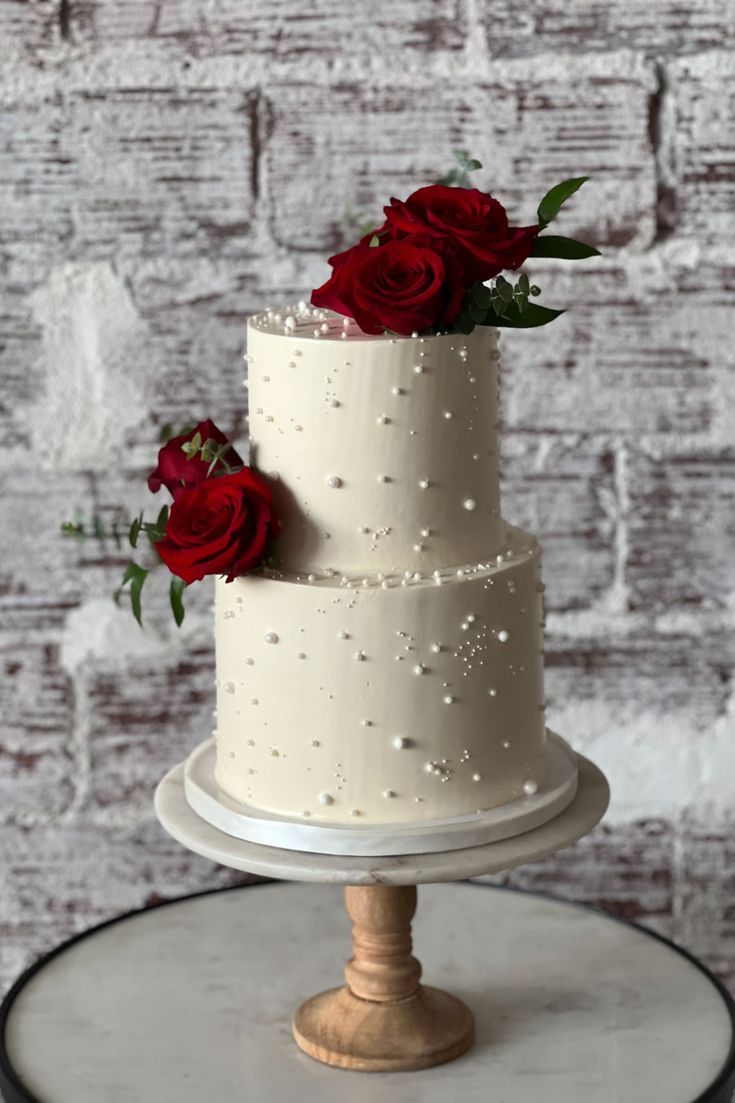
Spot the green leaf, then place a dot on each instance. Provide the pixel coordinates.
(564, 247)
(162, 518)
(176, 591)
(533, 316)
(166, 432)
(504, 289)
(553, 201)
(134, 532)
(136, 587)
(523, 284)
(136, 576)
(481, 294)
(464, 323)
(477, 312)
(374, 241)
(522, 303)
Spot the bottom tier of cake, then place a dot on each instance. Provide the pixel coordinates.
(391, 699)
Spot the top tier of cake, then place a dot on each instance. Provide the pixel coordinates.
(384, 449)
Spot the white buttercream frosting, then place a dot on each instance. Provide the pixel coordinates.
(392, 645)
(378, 466)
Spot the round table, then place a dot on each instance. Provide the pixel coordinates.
(192, 1001)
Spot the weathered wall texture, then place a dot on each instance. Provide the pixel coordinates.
(167, 167)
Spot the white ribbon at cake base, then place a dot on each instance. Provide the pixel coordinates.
(427, 837)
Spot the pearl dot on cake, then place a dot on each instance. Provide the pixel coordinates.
(436, 648)
(388, 793)
(383, 419)
(229, 687)
(492, 693)
(477, 777)
(326, 798)
(419, 669)
(400, 743)
(424, 484)
(503, 636)
(448, 700)
(359, 656)
(271, 637)
(334, 481)
(530, 787)
(448, 415)
(469, 504)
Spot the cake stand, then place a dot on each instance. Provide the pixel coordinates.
(383, 1019)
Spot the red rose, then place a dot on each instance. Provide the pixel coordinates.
(175, 471)
(223, 525)
(405, 286)
(473, 220)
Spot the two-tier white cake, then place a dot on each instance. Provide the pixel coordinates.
(385, 666)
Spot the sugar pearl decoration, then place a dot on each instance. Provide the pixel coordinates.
(383, 419)
(400, 743)
(271, 637)
(424, 484)
(448, 700)
(477, 777)
(419, 668)
(436, 648)
(229, 687)
(326, 798)
(469, 504)
(334, 481)
(503, 636)
(448, 415)
(359, 656)
(492, 693)
(530, 787)
(388, 793)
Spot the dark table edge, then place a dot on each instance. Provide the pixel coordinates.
(13, 1090)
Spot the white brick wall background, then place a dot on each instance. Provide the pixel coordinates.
(168, 167)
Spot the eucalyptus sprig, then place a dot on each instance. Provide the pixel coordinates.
(95, 529)
(209, 451)
(459, 176)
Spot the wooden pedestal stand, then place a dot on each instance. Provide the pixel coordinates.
(383, 1019)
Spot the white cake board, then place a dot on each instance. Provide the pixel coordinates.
(374, 840)
(191, 1001)
(576, 820)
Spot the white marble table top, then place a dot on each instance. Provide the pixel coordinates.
(191, 831)
(193, 1001)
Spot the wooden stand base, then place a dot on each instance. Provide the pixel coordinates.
(383, 1019)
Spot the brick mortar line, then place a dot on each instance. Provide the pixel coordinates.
(93, 67)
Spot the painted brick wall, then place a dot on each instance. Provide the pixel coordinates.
(167, 167)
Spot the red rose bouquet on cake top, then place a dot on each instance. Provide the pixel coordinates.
(427, 268)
